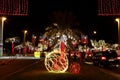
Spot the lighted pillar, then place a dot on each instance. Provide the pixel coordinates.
(13, 47)
(118, 20)
(62, 48)
(2, 19)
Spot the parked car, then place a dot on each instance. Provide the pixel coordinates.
(108, 58)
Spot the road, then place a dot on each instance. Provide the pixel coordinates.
(34, 69)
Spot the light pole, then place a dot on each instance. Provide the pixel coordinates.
(118, 20)
(24, 40)
(94, 34)
(1, 34)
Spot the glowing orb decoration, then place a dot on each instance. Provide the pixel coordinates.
(74, 68)
(54, 62)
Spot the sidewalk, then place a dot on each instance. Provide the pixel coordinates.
(18, 57)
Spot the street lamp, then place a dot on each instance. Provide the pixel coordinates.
(94, 32)
(1, 34)
(118, 20)
(25, 32)
(24, 40)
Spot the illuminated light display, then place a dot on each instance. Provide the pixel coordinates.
(84, 39)
(57, 61)
(108, 7)
(74, 68)
(12, 47)
(14, 7)
(37, 54)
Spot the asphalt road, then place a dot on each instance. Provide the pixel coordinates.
(35, 70)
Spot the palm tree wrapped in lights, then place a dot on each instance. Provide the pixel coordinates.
(13, 40)
(63, 24)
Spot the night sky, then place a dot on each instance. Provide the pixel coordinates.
(41, 10)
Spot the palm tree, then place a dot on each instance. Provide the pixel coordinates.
(65, 19)
(13, 40)
(60, 33)
(29, 45)
(61, 23)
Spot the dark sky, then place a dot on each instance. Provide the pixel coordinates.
(40, 10)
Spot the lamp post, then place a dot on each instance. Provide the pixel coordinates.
(94, 34)
(118, 20)
(24, 40)
(1, 34)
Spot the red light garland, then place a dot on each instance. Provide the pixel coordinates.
(108, 7)
(74, 68)
(14, 7)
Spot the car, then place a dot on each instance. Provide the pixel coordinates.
(108, 58)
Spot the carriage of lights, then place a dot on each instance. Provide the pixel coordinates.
(57, 60)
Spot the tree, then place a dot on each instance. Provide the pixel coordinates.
(61, 23)
(65, 19)
(13, 40)
(98, 44)
(61, 35)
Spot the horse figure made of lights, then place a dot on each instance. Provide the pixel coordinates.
(57, 61)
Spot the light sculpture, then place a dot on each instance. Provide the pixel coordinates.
(57, 61)
(74, 68)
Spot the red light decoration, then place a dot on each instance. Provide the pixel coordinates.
(84, 39)
(57, 61)
(33, 38)
(13, 47)
(118, 57)
(14, 7)
(103, 58)
(19, 50)
(74, 68)
(108, 7)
